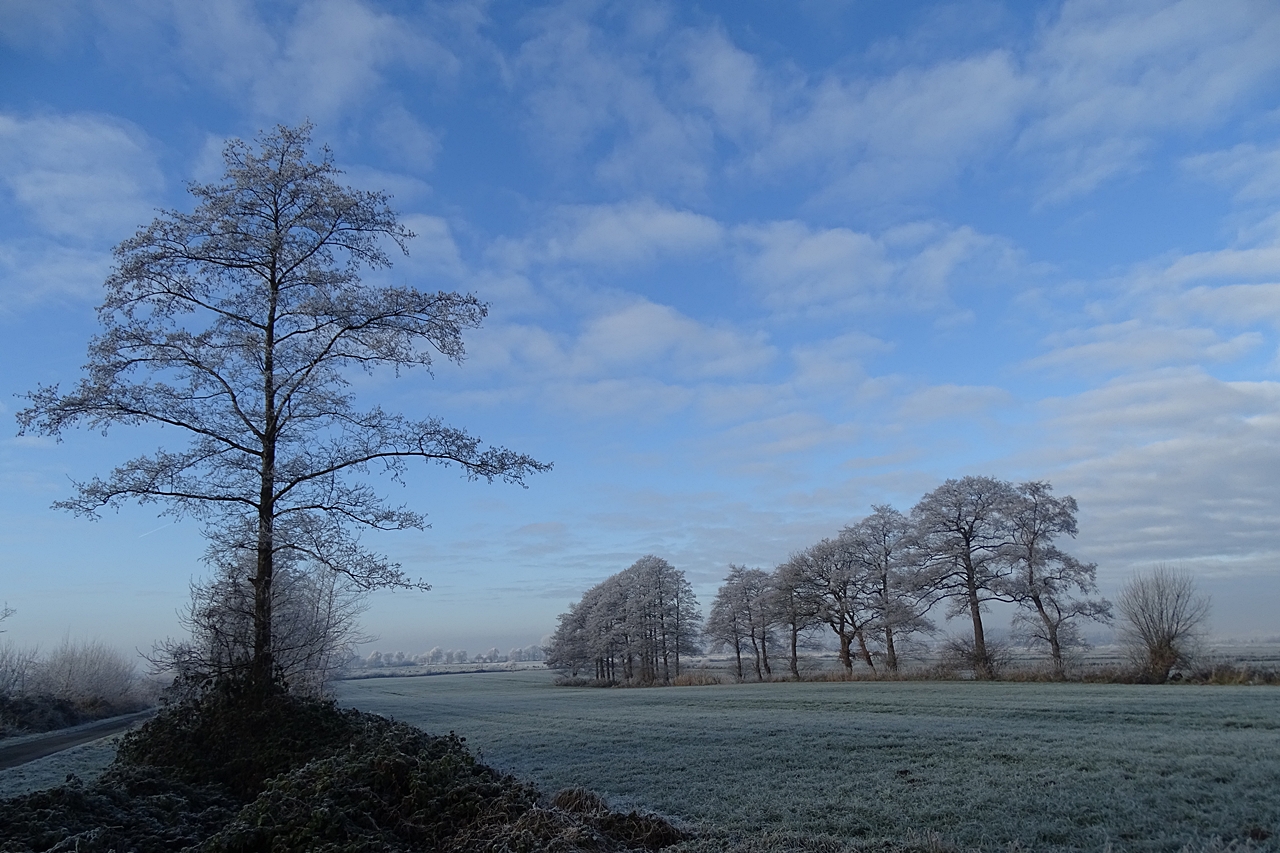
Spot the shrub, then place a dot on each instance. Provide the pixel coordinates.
(1163, 616)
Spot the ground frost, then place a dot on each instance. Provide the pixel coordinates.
(1043, 766)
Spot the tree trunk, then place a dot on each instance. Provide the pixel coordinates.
(890, 653)
(795, 650)
(756, 651)
(863, 650)
(981, 660)
(262, 668)
(845, 658)
(1051, 632)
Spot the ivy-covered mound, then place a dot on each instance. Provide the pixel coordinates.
(230, 773)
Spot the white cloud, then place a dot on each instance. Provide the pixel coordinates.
(83, 177)
(585, 89)
(646, 334)
(951, 402)
(1134, 345)
(406, 140)
(1235, 304)
(762, 442)
(32, 270)
(433, 253)
(1218, 265)
(834, 364)
(325, 59)
(1112, 75)
(1171, 466)
(639, 338)
(729, 83)
(903, 133)
(798, 268)
(1253, 171)
(614, 235)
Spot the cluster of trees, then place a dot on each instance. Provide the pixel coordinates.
(634, 627)
(874, 586)
(240, 324)
(969, 542)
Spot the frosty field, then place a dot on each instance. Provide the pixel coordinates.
(1049, 766)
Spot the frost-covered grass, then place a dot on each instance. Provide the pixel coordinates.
(1048, 766)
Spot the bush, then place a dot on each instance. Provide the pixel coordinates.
(238, 739)
(41, 713)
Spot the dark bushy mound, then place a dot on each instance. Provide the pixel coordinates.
(230, 774)
(239, 739)
(128, 808)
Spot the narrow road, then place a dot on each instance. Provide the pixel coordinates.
(29, 749)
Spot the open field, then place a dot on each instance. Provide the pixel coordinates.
(1048, 766)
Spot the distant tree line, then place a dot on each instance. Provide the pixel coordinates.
(873, 588)
(439, 656)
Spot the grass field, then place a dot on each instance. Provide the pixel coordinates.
(981, 765)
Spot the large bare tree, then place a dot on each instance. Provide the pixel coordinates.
(744, 610)
(239, 324)
(1049, 585)
(843, 588)
(964, 534)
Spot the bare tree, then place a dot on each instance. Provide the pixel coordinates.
(882, 547)
(842, 588)
(87, 672)
(727, 624)
(1045, 580)
(795, 606)
(238, 324)
(746, 598)
(1162, 617)
(964, 532)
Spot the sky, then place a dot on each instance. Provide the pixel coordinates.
(752, 267)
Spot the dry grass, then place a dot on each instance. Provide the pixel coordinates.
(698, 678)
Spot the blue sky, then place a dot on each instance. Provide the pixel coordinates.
(752, 268)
